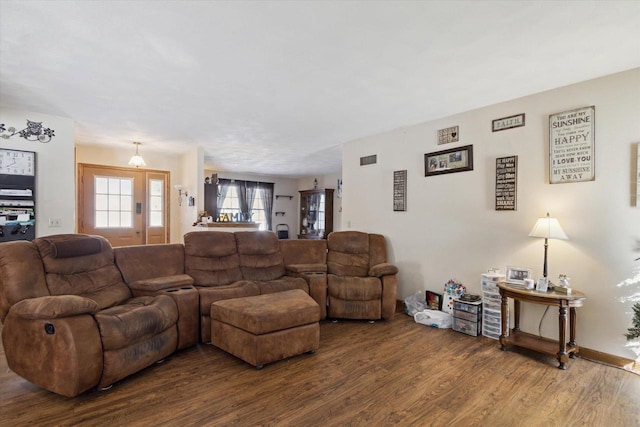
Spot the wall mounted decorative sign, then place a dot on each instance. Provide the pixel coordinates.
(506, 183)
(448, 135)
(507, 123)
(572, 145)
(448, 161)
(33, 132)
(400, 191)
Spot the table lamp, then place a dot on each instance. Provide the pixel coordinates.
(547, 228)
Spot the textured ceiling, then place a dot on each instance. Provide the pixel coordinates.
(277, 87)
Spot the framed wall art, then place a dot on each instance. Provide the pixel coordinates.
(572, 146)
(448, 161)
(507, 123)
(447, 135)
(400, 191)
(507, 183)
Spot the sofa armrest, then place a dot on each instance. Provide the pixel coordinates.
(384, 269)
(297, 269)
(54, 307)
(152, 286)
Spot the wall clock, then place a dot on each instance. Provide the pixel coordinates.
(16, 162)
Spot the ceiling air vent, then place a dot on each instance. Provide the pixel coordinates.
(369, 160)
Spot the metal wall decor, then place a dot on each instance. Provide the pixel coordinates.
(33, 132)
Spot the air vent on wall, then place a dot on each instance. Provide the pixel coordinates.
(369, 160)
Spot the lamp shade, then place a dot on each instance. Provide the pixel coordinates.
(137, 160)
(548, 228)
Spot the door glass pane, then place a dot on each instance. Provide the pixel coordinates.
(102, 185)
(156, 203)
(126, 187)
(101, 219)
(155, 187)
(113, 202)
(102, 203)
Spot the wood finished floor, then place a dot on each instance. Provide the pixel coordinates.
(382, 374)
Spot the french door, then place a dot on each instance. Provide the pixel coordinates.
(126, 206)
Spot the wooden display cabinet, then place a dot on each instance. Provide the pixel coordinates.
(316, 213)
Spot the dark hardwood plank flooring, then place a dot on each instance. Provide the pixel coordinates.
(387, 373)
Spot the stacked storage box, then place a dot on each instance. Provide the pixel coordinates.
(467, 317)
(491, 301)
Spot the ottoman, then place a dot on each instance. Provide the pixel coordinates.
(264, 328)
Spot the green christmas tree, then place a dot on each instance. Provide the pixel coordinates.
(634, 331)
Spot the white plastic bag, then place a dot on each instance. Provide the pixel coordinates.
(434, 318)
(414, 303)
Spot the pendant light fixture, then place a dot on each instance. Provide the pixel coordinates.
(137, 159)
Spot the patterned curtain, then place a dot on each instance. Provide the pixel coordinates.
(250, 194)
(223, 187)
(268, 203)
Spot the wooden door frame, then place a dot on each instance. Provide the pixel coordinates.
(145, 219)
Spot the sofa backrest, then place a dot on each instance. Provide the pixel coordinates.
(377, 249)
(260, 256)
(78, 264)
(21, 274)
(303, 251)
(211, 258)
(144, 262)
(348, 253)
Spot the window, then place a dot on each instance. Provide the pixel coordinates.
(258, 209)
(231, 205)
(114, 202)
(156, 202)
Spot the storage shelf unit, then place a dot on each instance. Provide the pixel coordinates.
(316, 213)
(491, 301)
(17, 195)
(467, 317)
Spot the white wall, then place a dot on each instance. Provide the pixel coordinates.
(192, 179)
(451, 229)
(102, 155)
(55, 171)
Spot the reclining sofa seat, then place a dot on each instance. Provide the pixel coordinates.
(361, 284)
(235, 265)
(70, 322)
(151, 270)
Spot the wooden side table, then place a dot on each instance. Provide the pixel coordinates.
(561, 349)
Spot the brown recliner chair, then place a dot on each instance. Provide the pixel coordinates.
(70, 322)
(361, 284)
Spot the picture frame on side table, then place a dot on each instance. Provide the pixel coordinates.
(516, 275)
(434, 301)
(543, 284)
(448, 161)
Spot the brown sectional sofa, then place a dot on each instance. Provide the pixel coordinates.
(79, 314)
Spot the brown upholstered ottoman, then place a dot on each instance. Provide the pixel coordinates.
(264, 328)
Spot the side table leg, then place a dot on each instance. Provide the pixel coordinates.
(504, 312)
(572, 330)
(562, 339)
